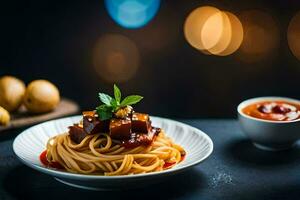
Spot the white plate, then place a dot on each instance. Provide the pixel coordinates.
(30, 143)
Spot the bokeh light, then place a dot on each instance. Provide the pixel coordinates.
(293, 35)
(261, 36)
(237, 35)
(213, 31)
(132, 13)
(223, 31)
(115, 58)
(194, 24)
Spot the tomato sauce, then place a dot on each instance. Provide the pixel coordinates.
(45, 162)
(273, 110)
(170, 164)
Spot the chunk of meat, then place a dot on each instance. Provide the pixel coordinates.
(120, 128)
(144, 139)
(140, 123)
(92, 124)
(77, 133)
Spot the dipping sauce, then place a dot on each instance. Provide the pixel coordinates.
(273, 110)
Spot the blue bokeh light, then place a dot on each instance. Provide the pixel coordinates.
(132, 13)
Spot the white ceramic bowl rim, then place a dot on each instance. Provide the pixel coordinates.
(58, 173)
(267, 98)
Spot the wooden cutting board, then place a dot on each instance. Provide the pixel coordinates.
(23, 118)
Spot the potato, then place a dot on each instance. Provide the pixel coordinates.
(4, 116)
(12, 91)
(41, 96)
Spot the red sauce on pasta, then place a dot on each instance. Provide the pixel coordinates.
(45, 162)
(168, 164)
(273, 110)
(171, 164)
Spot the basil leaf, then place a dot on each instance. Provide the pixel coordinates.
(114, 105)
(111, 105)
(106, 99)
(117, 94)
(105, 115)
(104, 112)
(132, 99)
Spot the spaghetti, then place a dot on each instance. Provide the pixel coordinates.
(100, 154)
(113, 140)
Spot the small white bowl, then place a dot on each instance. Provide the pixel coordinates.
(29, 144)
(267, 134)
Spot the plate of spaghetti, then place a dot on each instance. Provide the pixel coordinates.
(112, 147)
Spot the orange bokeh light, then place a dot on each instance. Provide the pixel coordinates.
(293, 35)
(194, 24)
(213, 31)
(225, 33)
(237, 35)
(115, 58)
(261, 36)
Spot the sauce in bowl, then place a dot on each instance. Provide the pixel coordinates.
(273, 110)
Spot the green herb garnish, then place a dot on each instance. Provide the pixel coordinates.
(111, 105)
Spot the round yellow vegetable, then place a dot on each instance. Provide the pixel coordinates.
(12, 91)
(41, 96)
(4, 116)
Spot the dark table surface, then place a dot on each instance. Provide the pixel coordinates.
(235, 170)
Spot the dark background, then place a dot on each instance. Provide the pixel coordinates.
(54, 40)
